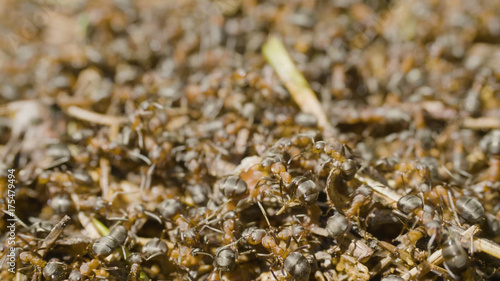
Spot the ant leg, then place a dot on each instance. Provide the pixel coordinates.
(281, 191)
(452, 205)
(472, 245)
(282, 266)
(415, 223)
(455, 277)
(429, 244)
(264, 213)
(248, 169)
(322, 166)
(149, 176)
(402, 179)
(271, 266)
(153, 216)
(302, 247)
(400, 214)
(211, 228)
(288, 241)
(293, 158)
(179, 256)
(231, 244)
(274, 275)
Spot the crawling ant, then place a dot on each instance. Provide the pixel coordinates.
(55, 271)
(233, 187)
(34, 259)
(303, 190)
(294, 263)
(297, 266)
(456, 259)
(470, 209)
(169, 208)
(409, 203)
(135, 260)
(224, 260)
(491, 145)
(362, 197)
(105, 245)
(102, 248)
(75, 275)
(155, 247)
(337, 225)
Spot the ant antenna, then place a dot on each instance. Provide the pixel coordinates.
(452, 205)
(211, 228)
(264, 213)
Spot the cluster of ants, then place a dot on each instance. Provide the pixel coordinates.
(305, 209)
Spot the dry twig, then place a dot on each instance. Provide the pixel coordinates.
(92, 117)
(481, 123)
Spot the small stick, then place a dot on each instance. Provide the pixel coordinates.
(380, 265)
(104, 177)
(481, 244)
(114, 130)
(489, 247)
(481, 123)
(387, 193)
(441, 271)
(401, 253)
(435, 258)
(468, 236)
(92, 117)
(17, 219)
(277, 56)
(53, 235)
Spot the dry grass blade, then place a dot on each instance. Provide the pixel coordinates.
(481, 123)
(53, 235)
(92, 117)
(388, 194)
(276, 55)
(90, 228)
